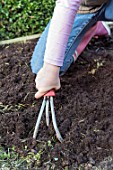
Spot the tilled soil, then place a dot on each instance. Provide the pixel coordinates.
(83, 105)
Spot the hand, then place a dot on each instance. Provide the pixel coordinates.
(47, 79)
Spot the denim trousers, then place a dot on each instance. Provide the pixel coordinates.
(82, 23)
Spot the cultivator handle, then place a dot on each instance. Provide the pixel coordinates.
(50, 93)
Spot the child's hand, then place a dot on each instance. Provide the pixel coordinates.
(47, 79)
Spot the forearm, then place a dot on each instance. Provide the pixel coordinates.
(59, 31)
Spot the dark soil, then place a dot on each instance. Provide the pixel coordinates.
(84, 106)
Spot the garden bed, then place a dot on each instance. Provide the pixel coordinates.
(84, 108)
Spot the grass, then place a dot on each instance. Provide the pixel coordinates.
(11, 160)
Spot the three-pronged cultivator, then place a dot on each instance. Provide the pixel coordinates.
(48, 102)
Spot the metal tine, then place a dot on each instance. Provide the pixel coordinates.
(47, 111)
(39, 118)
(54, 120)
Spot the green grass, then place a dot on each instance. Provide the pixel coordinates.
(11, 160)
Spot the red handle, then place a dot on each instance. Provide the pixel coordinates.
(50, 93)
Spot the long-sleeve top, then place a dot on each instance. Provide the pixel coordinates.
(59, 31)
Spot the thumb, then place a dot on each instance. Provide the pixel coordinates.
(39, 94)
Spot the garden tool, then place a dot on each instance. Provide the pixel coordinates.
(48, 101)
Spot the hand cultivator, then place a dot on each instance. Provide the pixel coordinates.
(48, 101)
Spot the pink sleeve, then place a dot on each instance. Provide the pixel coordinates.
(59, 31)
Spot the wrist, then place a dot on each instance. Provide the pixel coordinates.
(51, 67)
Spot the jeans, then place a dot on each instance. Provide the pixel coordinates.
(82, 23)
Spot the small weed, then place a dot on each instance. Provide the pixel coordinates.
(17, 107)
(98, 65)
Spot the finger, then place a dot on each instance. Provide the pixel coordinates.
(39, 95)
